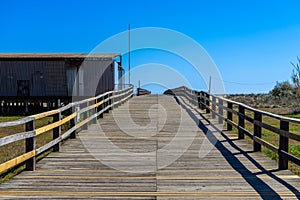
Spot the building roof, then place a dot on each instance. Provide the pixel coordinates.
(57, 55)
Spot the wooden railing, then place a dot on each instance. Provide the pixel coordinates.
(78, 115)
(225, 109)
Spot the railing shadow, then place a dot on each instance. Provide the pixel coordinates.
(262, 188)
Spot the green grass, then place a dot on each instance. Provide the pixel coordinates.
(297, 116)
(9, 118)
(295, 150)
(273, 138)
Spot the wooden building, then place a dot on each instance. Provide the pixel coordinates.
(51, 79)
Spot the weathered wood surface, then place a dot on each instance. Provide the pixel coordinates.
(212, 166)
(215, 105)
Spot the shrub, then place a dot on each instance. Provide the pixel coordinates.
(284, 89)
(296, 73)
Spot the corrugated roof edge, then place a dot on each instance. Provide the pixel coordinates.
(57, 55)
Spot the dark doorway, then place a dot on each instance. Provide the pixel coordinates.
(23, 88)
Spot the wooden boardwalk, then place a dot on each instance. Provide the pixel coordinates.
(153, 148)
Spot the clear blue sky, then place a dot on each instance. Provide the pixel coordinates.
(252, 42)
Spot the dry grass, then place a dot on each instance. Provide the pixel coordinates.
(15, 149)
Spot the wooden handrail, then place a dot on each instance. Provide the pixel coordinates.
(77, 113)
(216, 104)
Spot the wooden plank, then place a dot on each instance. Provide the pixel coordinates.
(45, 114)
(288, 119)
(83, 122)
(293, 136)
(96, 105)
(226, 171)
(293, 120)
(279, 131)
(266, 144)
(16, 137)
(70, 105)
(267, 126)
(142, 194)
(160, 177)
(16, 122)
(69, 132)
(291, 157)
(46, 128)
(87, 100)
(15, 161)
(92, 177)
(48, 145)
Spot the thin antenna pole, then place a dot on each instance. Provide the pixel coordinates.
(209, 89)
(129, 52)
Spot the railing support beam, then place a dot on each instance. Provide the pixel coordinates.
(85, 116)
(257, 131)
(241, 122)
(229, 116)
(30, 144)
(213, 107)
(207, 103)
(72, 123)
(283, 146)
(56, 131)
(220, 101)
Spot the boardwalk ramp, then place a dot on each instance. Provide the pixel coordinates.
(154, 147)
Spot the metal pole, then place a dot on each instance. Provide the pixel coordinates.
(129, 52)
(209, 89)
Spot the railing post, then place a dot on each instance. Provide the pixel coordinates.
(198, 99)
(229, 116)
(283, 146)
(56, 131)
(85, 116)
(257, 131)
(213, 107)
(220, 101)
(192, 97)
(131, 92)
(114, 99)
(121, 97)
(195, 97)
(241, 121)
(111, 101)
(72, 123)
(202, 107)
(93, 112)
(101, 107)
(30, 144)
(207, 103)
(118, 99)
(106, 103)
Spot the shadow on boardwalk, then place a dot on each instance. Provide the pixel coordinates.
(262, 188)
